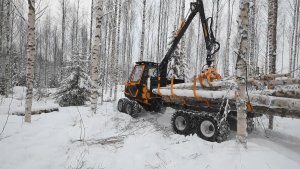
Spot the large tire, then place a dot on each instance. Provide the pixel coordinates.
(133, 109)
(121, 105)
(223, 132)
(182, 123)
(207, 128)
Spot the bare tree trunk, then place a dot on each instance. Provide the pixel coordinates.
(267, 55)
(1, 26)
(183, 39)
(63, 28)
(217, 32)
(113, 63)
(30, 59)
(96, 55)
(241, 67)
(158, 54)
(117, 51)
(143, 31)
(283, 42)
(77, 25)
(91, 26)
(272, 28)
(8, 50)
(297, 36)
(47, 28)
(130, 38)
(229, 23)
(291, 63)
(252, 66)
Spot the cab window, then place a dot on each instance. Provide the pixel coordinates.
(137, 73)
(152, 72)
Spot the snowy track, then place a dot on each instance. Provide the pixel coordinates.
(114, 140)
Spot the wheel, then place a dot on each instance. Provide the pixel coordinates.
(128, 108)
(132, 109)
(207, 129)
(182, 123)
(121, 106)
(223, 131)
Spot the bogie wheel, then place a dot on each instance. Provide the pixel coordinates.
(223, 132)
(207, 129)
(182, 123)
(128, 108)
(132, 109)
(121, 105)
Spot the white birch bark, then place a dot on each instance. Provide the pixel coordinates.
(297, 37)
(8, 50)
(96, 55)
(229, 23)
(252, 66)
(91, 36)
(241, 69)
(1, 25)
(30, 59)
(91, 27)
(63, 28)
(117, 51)
(272, 28)
(113, 63)
(143, 31)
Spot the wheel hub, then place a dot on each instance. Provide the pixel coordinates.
(180, 123)
(207, 128)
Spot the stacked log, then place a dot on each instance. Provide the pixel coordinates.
(278, 102)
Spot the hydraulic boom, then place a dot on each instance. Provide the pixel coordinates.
(212, 46)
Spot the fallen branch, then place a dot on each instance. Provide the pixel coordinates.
(36, 112)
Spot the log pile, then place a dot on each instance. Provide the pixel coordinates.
(280, 101)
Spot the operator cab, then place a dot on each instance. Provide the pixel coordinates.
(138, 86)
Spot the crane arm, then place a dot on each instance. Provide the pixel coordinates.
(212, 46)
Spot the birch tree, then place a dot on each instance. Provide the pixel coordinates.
(272, 29)
(117, 49)
(228, 35)
(252, 36)
(143, 31)
(96, 54)
(91, 26)
(1, 25)
(113, 62)
(296, 37)
(30, 59)
(7, 51)
(63, 30)
(241, 69)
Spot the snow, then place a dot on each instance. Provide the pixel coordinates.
(15, 103)
(115, 140)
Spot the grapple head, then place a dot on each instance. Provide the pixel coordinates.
(208, 75)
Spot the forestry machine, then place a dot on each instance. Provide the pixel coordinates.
(148, 75)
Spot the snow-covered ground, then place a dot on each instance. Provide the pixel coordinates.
(114, 140)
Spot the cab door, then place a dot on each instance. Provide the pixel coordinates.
(134, 86)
